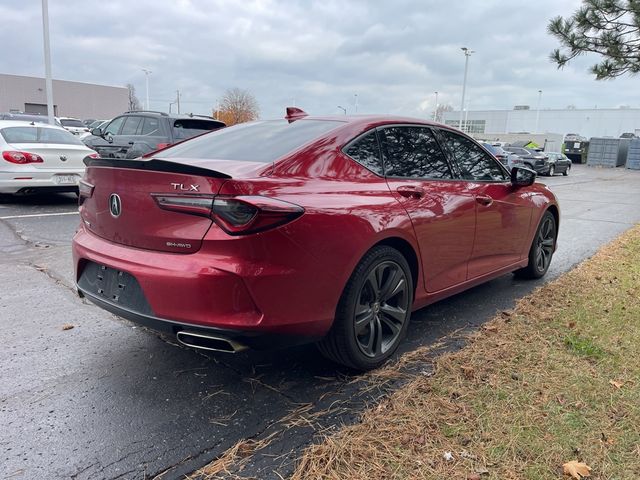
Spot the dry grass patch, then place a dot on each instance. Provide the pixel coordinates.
(557, 379)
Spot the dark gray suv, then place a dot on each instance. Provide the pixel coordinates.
(133, 134)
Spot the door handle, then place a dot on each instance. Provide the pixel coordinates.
(130, 143)
(411, 191)
(484, 200)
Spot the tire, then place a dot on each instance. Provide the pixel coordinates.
(566, 172)
(380, 292)
(542, 248)
(552, 171)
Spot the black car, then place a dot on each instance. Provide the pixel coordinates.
(558, 163)
(532, 159)
(133, 134)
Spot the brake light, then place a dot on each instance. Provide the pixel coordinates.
(21, 158)
(236, 215)
(160, 146)
(94, 155)
(242, 215)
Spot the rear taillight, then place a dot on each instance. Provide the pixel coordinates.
(236, 215)
(192, 204)
(21, 158)
(85, 189)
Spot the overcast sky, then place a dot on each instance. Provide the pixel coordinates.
(393, 55)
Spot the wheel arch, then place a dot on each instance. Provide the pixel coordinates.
(408, 252)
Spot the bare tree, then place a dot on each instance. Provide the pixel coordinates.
(608, 28)
(134, 103)
(237, 106)
(440, 111)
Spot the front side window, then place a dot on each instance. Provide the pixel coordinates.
(475, 164)
(114, 127)
(366, 151)
(413, 152)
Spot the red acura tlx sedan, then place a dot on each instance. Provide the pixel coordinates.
(307, 229)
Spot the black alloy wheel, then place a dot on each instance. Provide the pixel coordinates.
(381, 309)
(542, 248)
(373, 313)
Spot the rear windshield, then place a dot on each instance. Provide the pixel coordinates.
(187, 128)
(38, 135)
(71, 123)
(262, 141)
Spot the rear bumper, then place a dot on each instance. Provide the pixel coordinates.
(255, 339)
(23, 180)
(204, 291)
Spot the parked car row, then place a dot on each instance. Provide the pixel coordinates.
(37, 156)
(543, 163)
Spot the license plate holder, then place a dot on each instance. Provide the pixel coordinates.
(66, 179)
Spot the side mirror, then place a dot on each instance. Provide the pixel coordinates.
(522, 177)
(96, 131)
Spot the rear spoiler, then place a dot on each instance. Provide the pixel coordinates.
(154, 165)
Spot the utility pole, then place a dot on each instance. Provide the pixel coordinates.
(47, 62)
(538, 111)
(146, 75)
(356, 102)
(435, 110)
(178, 100)
(467, 54)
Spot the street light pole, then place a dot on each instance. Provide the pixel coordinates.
(146, 76)
(356, 102)
(47, 62)
(538, 111)
(343, 109)
(435, 110)
(467, 54)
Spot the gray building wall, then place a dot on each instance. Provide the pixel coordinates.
(600, 122)
(71, 99)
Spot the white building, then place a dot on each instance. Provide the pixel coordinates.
(70, 99)
(593, 122)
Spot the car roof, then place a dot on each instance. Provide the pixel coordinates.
(26, 123)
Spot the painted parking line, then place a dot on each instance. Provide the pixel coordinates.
(37, 215)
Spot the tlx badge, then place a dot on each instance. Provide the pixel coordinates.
(185, 188)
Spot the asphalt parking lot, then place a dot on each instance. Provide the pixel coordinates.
(106, 399)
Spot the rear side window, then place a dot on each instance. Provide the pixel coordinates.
(38, 135)
(474, 162)
(262, 141)
(413, 152)
(366, 151)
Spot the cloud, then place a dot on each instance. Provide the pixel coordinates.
(393, 55)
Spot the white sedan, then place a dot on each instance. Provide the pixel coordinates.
(39, 157)
(74, 125)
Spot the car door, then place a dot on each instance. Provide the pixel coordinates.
(441, 210)
(503, 212)
(124, 140)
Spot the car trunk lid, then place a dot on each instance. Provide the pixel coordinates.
(122, 207)
(58, 156)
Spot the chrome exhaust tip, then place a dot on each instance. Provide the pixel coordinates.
(209, 342)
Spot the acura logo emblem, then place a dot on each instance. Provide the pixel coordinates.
(115, 205)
